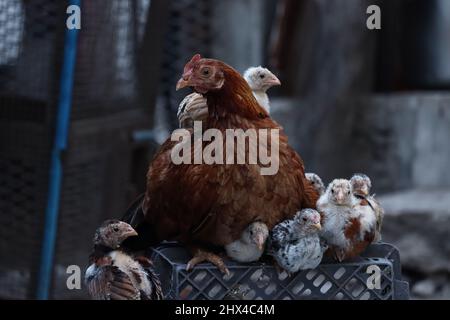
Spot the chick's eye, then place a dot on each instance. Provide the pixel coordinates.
(116, 229)
(348, 192)
(262, 76)
(332, 191)
(305, 219)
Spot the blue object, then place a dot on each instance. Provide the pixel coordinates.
(55, 179)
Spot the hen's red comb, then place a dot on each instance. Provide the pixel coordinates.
(190, 65)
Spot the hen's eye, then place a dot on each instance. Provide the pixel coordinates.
(116, 229)
(205, 71)
(262, 76)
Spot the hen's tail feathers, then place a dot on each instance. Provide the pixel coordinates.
(311, 195)
(134, 215)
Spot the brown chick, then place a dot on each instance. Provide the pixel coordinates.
(361, 185)
(115, 274)
(347, 226)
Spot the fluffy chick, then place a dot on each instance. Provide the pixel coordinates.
(250, 246)
(348, 225)
(361, 185)
(115, 274)
(194, 108)
(295, 243)
(260, 80)
(316, 182)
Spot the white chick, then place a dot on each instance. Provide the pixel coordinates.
(260, 80)
(192, 108)
(347, 225)
(295, 243)
(251, 245)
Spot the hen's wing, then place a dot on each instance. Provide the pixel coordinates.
(179, 197)
(109, 283)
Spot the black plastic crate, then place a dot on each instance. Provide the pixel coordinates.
(261, 281)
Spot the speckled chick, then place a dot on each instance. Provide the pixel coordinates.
(295, 243)
(316, 182)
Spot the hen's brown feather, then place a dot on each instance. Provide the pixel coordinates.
(213, 204)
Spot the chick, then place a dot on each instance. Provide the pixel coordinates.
(115, 274)
(361, 185)
(194, 107)
(295, 243)
(348, 225)
(260, 80)
(250, 246)
(316, 182)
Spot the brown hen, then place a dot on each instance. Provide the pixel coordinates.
(209, 205)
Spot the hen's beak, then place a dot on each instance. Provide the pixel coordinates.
(182, 83)
(273, 81)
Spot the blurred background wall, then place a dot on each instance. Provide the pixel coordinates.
(351, 100)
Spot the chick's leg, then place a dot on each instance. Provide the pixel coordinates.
(200, 256)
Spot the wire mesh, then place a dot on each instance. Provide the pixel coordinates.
(106, 110)
(188, 32)
(106, 73)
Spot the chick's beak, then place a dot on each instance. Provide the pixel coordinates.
(260, 242)
(365, 190)
(273, 81)
(129, 232)
(317, 226)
